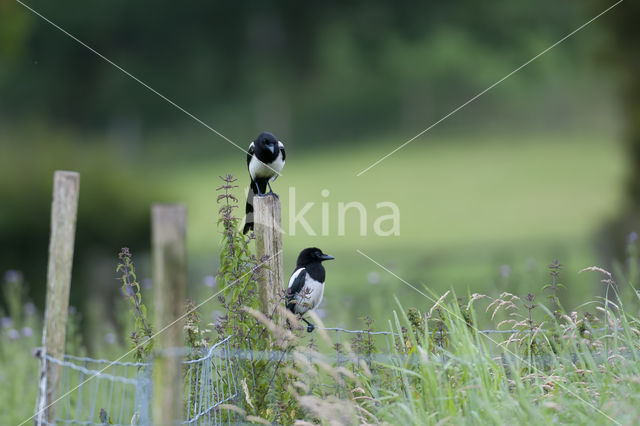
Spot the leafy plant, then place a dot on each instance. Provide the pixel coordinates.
(554, 272)
(362, 343)
(196, 337)
(266, 382)
(141, 336)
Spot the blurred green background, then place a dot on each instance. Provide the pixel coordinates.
(541, 167)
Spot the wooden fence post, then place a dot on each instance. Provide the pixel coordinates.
(64, 210)
(168, 229)
(267, 219)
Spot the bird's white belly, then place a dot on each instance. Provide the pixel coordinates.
(310, 296)
(258, 169)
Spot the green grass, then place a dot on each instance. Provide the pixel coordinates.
(450, 193)
(472, 388)
(572, 369)
(466, 209)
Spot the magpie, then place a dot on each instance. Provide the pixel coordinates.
(265, 160)
(306, 285)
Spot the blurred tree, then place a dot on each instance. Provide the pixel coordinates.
(113, 211)
(358, 65)
(623, 55)
(330, 70)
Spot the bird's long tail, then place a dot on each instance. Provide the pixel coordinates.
(253, 190)
(248, 221)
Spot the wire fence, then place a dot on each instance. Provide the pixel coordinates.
(119, 393)
(98, 391)
(210, 383)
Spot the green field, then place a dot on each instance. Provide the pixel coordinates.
(465, 210)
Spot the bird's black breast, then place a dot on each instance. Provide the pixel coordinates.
(316, 271)
(263, 154)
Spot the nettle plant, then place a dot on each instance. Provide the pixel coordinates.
(529, 338)
(556, 334)
(264, 382)
(554, 286)
(282, 377)
(142, 335)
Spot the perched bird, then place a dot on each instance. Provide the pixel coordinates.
(265, 160)
(306, 285)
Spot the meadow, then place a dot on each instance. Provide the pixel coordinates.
(489, 219)
(485, 218)
(482, 217)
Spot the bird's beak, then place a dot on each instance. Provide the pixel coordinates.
(272, 148)
(327, 257)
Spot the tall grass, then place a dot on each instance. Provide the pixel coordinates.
(569, 377)
(552, 365)
(566, 372)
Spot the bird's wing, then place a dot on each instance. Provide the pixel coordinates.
(284, 156)
(296, 282)
(250, 153)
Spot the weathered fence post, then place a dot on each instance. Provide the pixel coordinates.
(64, 210)
(168, 229)
(267, 219)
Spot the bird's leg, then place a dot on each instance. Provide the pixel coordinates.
(258, 192)
(310, 327)
(271, 190)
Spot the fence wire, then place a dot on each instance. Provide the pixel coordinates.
(210, 383)
(119, 393)
(495, 338)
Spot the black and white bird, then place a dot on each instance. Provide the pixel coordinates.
(306, 285)
(265, 160)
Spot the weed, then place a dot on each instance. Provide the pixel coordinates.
(141, 336)
(554, 272)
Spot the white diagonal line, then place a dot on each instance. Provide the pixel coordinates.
(453, 314)
(153, 336)
(489, 88)
(142, 83)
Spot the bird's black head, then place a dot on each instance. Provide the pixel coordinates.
(267, 141)
(312, 255)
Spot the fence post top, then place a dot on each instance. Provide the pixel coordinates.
(66, 173)
(168, 206)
